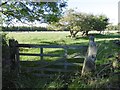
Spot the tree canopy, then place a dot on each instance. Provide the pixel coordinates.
(77, 21)
(24, 11)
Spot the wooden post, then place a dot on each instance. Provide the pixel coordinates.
(17, 53)
(14, 54)
(89, 62)
(17, 59)
(12, 50)
(41, 52)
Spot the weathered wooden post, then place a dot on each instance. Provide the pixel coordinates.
(17, 58)
(41, 52)
(14, 54)
(12, 50)
(89, 62)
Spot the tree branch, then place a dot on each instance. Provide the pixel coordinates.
(3, 3)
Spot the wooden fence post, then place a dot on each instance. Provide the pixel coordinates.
(41, 52)
(89, 62)
(14, 54)
(17, 59)
(12, 50)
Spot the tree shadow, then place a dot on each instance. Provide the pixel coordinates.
(106, 36)
(81, 37)
(50, 43)
(100, 36)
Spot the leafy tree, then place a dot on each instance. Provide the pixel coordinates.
(100, 23)
(75, 22)
(87, 23)
(93, 22)
(24, 11)
(71, 22)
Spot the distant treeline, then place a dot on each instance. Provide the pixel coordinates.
(34, 28)
(24, 28)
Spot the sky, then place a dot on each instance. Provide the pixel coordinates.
(97, 7)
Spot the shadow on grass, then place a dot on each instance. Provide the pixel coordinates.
(108, 48)
(106, 36)
(100, 36)
(50, 43)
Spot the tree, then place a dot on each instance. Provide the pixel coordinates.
(24, 11)
(94, 22)
(76, 21)
(70, 21)
(87, 23)
(100, 23)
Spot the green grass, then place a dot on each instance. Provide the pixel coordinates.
(104, 42)
(106, 48)
(47, 38)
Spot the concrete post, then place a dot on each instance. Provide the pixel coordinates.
(89, 62)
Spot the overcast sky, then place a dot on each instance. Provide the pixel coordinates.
(107, 7)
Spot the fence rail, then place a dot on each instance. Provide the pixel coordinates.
(15, 55)
(42, 47)
(51, 46)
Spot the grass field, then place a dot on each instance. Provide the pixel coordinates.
(47, 38)
(107, 51)
(104, 42)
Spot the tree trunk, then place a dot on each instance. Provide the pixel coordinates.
(74, 34)
(3, 4)
(100, 32)
(71, 33)
(85, 33)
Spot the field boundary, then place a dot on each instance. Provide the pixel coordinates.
(15, 56)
